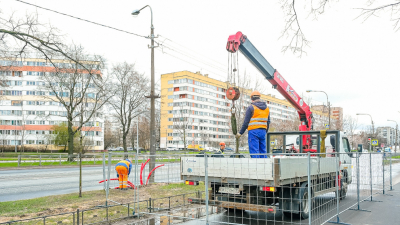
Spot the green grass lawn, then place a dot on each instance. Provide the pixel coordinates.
(75, 163)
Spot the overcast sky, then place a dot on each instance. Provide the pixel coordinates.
(355, 62)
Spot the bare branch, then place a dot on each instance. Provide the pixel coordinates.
(292, 30)
(393, 8)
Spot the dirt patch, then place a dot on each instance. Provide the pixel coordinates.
(70, 203)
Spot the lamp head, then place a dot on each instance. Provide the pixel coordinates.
(135, 12)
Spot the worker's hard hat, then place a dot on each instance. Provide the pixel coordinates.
(254, 93)
(222, 143)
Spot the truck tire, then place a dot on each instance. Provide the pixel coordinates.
(343, 189)
(293, 205)
(303, 198)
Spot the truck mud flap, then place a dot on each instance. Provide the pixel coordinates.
(235, 205)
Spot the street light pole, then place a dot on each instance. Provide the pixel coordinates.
(397, 138)
(373, 130)
(152, 96)
(328, 103)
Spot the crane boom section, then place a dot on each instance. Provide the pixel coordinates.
(240, 42)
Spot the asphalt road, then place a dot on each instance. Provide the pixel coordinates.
(32, 183)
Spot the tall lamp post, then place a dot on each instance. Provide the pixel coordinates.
(327, 102)
(372, 122)
(397, 133)
(152, 96)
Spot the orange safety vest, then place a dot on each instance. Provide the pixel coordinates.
(259, 119)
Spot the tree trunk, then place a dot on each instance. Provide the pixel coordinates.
(80, 168)
(70, 142)
(124, 145)
(184, 140)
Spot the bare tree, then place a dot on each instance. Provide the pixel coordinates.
(350, 125)
(144, 131)
(392, 8)
(292, 29)
(297, 40)
(183, 122)
(74, 76)
(80, 88)
(129, 95)
(109, 137)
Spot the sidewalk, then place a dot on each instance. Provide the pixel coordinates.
(385, 212)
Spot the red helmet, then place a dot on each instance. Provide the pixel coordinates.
(222, 143)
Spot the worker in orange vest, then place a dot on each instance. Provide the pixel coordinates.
(257, 122)
(222, 147)
(123, 169)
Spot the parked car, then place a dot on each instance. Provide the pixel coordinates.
(172, 149)
(119, 149)
(211, 149)
(130, 149)
(243, 149)
(111, 149)
(228, 149)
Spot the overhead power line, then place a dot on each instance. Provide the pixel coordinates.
(64, 14)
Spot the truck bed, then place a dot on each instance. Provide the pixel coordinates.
(256, 171)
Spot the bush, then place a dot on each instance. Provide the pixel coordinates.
(11, 148)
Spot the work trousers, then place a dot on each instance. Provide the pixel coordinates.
(122, 176)
(257, 143)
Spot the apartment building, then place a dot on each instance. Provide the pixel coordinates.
(388, 134)
(27, 117)
(321, 116)
(194, 109)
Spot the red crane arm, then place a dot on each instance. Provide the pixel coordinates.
(240, 42)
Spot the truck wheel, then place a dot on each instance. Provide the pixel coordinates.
(303, 198)
(296, 205)
(343, 191)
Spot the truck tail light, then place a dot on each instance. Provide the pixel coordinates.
(188, 182)
(271, 189)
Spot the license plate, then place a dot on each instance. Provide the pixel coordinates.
(229, 190)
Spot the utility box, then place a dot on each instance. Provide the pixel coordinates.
(360, 147)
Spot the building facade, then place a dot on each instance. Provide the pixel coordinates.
(27, 117)
(321, 117)
(388, 134)
(194, 109)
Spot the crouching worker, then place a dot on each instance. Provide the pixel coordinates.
(123, 169)
(256, 122)
(220, 152)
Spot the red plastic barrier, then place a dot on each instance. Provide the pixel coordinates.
(106, 180)
(141, 179)
(130, 184)
(141, 171)
(152, 172)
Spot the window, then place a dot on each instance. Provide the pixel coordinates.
(16, 103)
(346, 145)
(89, 95)
(40, 113)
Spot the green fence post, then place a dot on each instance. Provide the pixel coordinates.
(77, 216)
